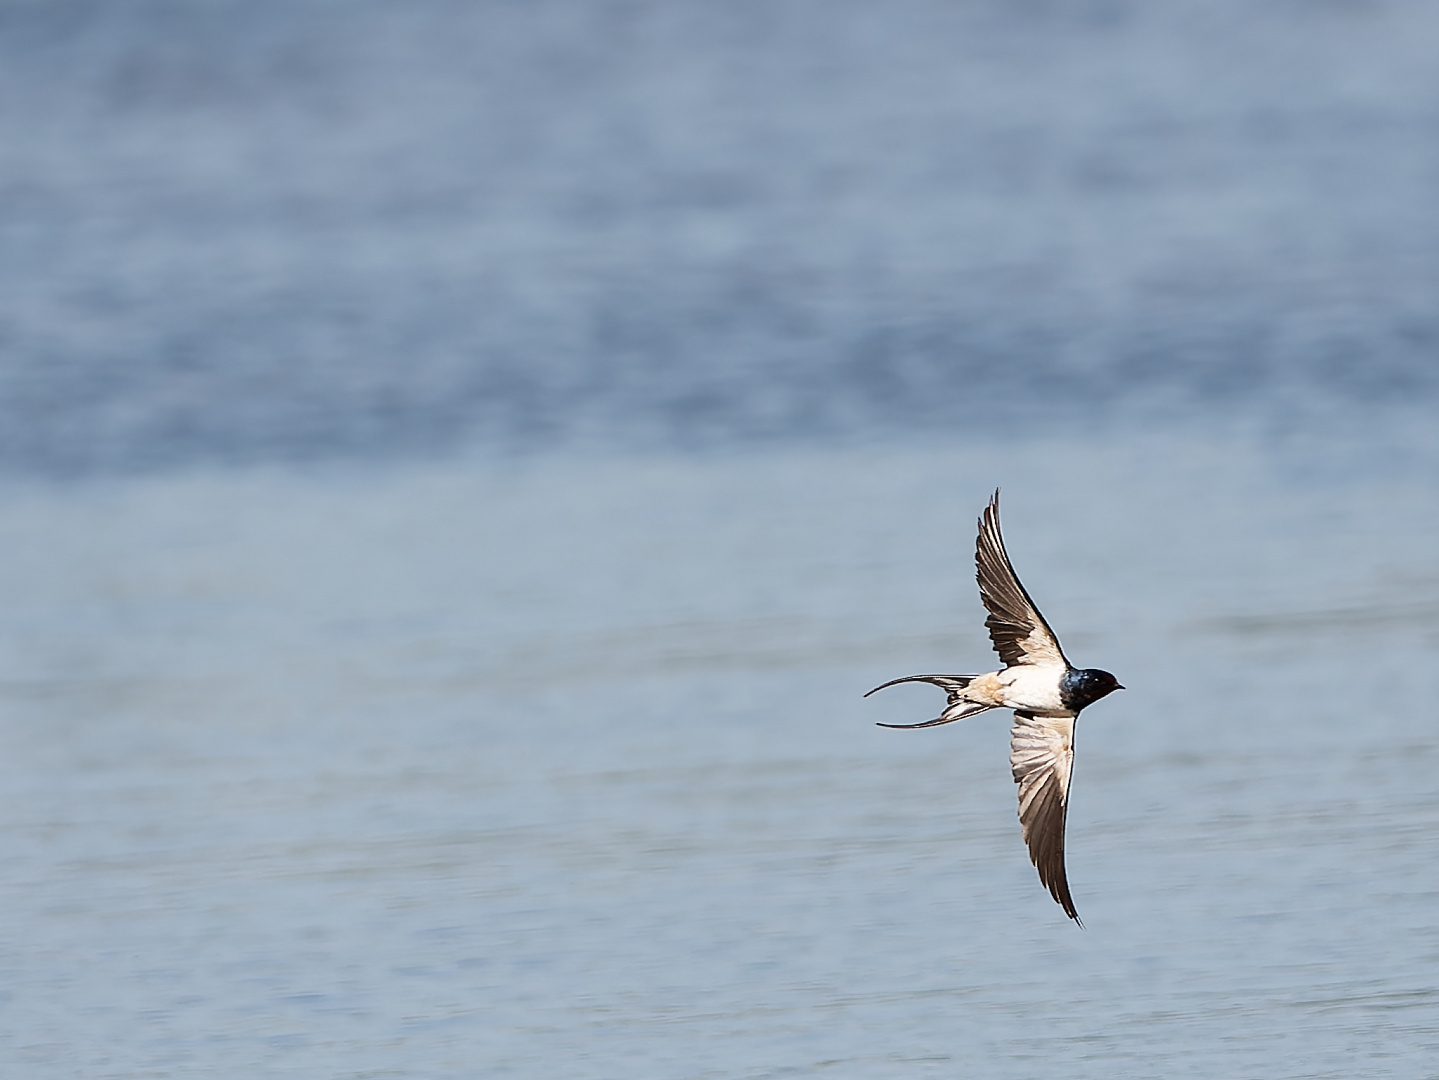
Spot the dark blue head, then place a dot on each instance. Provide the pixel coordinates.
(1084, 687)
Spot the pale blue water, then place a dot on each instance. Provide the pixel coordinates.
(463, 463)
(563, 770)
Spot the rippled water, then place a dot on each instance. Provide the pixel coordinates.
(462, 463)
(562, 769)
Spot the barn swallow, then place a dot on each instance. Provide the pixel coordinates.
(1046, 692)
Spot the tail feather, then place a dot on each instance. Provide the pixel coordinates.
(958, 708)
(953, 684)
(949, 716)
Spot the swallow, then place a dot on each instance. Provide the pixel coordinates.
(1046, 692)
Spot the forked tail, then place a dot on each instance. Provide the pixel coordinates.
(958, 708)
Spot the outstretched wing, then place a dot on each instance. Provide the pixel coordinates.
(1018, 630)
(1041, 753)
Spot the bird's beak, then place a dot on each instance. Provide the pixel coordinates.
(1119, 688)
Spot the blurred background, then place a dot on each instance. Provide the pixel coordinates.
(462, 463)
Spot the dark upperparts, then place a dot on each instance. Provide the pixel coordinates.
(1081, 687)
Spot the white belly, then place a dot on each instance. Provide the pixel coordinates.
(1032, 688)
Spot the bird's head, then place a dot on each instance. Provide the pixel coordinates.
(1085, 686)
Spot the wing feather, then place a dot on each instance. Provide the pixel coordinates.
(1018, 630)
(1041, 755)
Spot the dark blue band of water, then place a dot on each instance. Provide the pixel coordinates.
(295, 230)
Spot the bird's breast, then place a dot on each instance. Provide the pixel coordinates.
(1032, 688)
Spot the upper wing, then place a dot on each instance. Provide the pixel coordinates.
(1018, 630)
(1041, 754)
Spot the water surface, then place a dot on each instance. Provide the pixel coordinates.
(563, 770)
(462, 463)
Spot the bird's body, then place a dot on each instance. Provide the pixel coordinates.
(1046, 692)
(1035, 689)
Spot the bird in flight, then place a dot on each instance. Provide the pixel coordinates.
(1046, 692)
